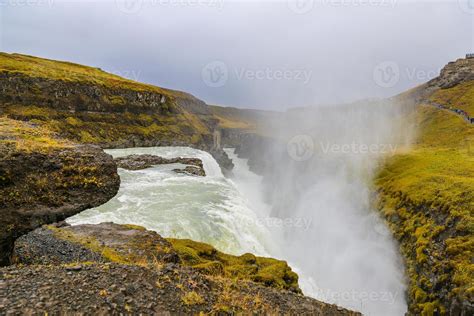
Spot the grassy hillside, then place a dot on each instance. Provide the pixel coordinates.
(459, 97)
(427, 196)
(66, 71)
(87, 105)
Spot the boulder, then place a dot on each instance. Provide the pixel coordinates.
(48, 183)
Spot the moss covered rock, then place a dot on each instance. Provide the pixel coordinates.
(427, 197)
(130, 244)
(44, 179)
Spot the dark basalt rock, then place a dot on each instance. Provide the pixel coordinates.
(191, 170)
(126, 269)
(45, 187)
(93, 243)
(139, 162)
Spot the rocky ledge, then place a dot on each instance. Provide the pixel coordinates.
(125, 269)
(44, 180)
(139, 162)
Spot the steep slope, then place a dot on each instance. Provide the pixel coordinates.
(125, 269)
(88, 105)
(44, 179)
(427, 195)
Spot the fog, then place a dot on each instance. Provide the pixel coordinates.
(273, 54)
(318, 180)
(279, 55)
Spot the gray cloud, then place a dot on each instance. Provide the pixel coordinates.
(274, 55)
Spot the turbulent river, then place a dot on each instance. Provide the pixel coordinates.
(230, 214)
(210, 209)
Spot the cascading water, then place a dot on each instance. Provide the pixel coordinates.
(338, 248)
(208, 209)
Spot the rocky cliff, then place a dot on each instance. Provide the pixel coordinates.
(52, 116)
(44, 179)
(124, 269)
(90, 106)
(427, 195)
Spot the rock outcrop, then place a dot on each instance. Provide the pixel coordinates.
(124, 269)
(139, 162)
(89, 106)
(454, 73)
(44, 180)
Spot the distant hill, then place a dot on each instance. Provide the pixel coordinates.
(88, 105)
(427, 194)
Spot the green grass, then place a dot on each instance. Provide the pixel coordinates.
(107, 122)
(66, 71)
(427, 197)
(144, 251)
(207, 259)
(105, 128)
(458, 97)
(28, 138)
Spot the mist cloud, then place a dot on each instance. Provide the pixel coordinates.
(346, 49)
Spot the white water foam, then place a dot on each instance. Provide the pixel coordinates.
(208, 209)
(231, 215)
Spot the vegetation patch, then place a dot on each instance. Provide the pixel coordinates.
(67, 71)
(268, 271)
(427, 198)
(28, 138)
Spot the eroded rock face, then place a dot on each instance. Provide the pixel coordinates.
(111, 116)
(118, 289)
(454, 73)
(139, 162)
(126, 269)
(93, 243)
(80, 97)
(40, 187)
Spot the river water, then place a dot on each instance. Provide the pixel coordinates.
(210, 209)
(230, 215)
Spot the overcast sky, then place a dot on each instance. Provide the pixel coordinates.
(255, 54)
